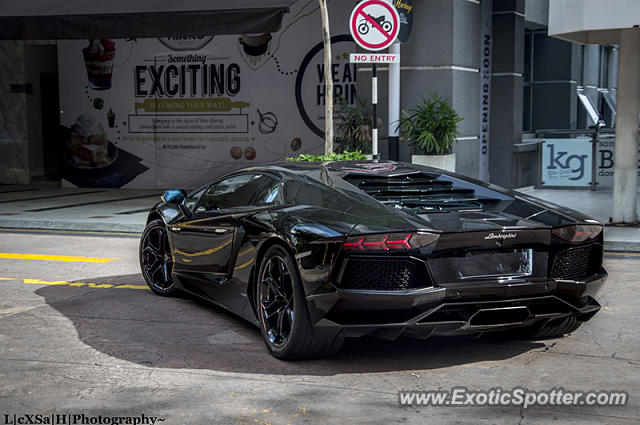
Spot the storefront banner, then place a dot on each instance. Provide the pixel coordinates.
(176, 112)
(605, 163)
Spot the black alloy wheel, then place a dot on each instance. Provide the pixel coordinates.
(276, 307)
(155, 258)
(281, 308)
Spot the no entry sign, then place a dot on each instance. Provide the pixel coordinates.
(374, 24)
(373, 58)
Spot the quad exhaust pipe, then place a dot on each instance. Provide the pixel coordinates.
(501, 316)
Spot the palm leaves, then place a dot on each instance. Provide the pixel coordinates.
(431, 127)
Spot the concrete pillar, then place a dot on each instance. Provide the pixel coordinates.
(625, 182)
(612, 72)
(506, 167)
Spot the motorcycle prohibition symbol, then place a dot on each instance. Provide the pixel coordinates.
(365, 25)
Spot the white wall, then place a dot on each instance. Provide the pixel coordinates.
(592, 21)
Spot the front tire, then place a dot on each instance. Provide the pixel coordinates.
(282, 311)
(156, 261)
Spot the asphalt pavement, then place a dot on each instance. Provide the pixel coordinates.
(81, 334)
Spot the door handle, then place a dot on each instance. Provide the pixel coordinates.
(176, 229)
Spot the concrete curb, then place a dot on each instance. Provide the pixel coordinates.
(622, 239)
(621, 246)
(74, 226)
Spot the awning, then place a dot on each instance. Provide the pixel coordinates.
(82, 19)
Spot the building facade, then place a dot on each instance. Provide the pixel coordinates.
(508, 82)
(493, 58)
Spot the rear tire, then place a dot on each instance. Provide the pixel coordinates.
(282, 311)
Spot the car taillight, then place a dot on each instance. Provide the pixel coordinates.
(389, 241)
(579, 233)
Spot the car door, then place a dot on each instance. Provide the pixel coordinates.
(205, 245)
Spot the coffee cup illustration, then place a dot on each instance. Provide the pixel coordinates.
(255, 45)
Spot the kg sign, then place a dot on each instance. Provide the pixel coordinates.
(566, 162)
(374, 24)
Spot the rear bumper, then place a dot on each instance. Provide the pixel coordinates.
(469, 308)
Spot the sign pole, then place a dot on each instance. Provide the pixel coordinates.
(374, 104)
(374, 26)
(394, 104)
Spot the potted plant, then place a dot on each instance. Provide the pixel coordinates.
(430, 129)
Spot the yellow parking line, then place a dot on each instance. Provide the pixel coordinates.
(77, 284)
(14, 256)
(132, 287)
(67, 232)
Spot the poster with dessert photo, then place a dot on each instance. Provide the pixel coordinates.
(177, 111)
(88, 146)
(98, 60)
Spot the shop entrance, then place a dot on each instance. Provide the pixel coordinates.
(51, 137)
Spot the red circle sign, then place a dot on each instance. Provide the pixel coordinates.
(374, 24)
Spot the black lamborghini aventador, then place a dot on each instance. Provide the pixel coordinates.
(314, 253)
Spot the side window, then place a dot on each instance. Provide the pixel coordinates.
(192, 200)
(270, 194)
(234, 192)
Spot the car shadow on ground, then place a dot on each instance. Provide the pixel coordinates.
(183, 332)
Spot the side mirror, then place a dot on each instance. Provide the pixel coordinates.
(175, 197)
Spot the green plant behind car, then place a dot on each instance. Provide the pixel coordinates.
(430, 127)
(353, 126)
(336, 156)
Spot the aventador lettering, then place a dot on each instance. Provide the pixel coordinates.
(187, 80)
(502, 236)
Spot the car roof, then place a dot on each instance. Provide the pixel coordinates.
(369, 167)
